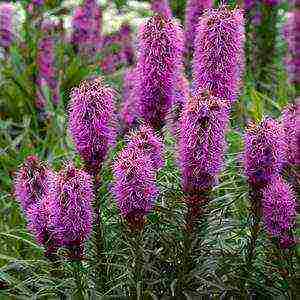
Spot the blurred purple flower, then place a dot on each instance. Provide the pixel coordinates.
(219, 52)
(194, 10)
(161, 7)
(202, 141)
(6, 24)
(91, 122)
(279, 209)
(159, 63)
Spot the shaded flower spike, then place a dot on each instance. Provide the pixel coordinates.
(71, 209)
(159, 63)
(91, 122)
(147, 141)
(264, 152)
(32, 191)
(194, 9)
(161, 7)
(134, 187)
(6, 24)
(219, 52)
(288, 121)
(202, 142)
(279, 210)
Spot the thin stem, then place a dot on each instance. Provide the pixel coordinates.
(77, 275)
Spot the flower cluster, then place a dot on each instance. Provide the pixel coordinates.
(219, 52)
(194, 9)
(91, 122)
(264, 152)
(159, 63)
(117, 49)
(134, 187)
(6, 24)
(279, 210)
(202, 141)
(161, 7)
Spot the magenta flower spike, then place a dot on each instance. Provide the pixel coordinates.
(194, 10)
(279, 210)
(6, 24)
(134, 186)
(159, 63)
(146, 140)
(202, 142)
(161, 7)
(92, 122)
(264, 152)
(288, 121)
(71, 211)
(218, 62)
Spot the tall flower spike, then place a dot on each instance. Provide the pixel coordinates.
(194, 9)
(202, 141)
(161, 7)
(264, 152)
(134, 187)
(147, 141)
(288, 121)
(6, 24)
(159, 63)
(71, 209)
(279, 210)
(219, 52)
(91, 122)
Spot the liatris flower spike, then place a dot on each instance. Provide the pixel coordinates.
(279, 211)
(147, 141)
(6, 24)
(91, 122)
(202, 142)
(218, 62)
(264, 152)
(288, 121)
(161, 7)
(134, 187)
(71, 209)
(194, 9)
(159, 63)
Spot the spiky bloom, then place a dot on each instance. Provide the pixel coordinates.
(202, 141)
(264, 151)
(129, 111)
(159, 63)
(87, 23)
(288, 121)
(279, 210)
(91, 122)
(127, 43)
(46, 60)
(219, 52)
(70, 208)
(161, 7)
(194, 9)
(180, 96)
(134, 186)
(147, 141)
(6, 24)
(38, 2)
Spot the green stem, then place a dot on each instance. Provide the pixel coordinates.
(77, 275)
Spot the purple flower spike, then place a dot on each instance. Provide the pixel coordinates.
(202, 142)
(264, 152)
(91, 122)
(134, 186)
(6, 24)
(271, 2)
(219, 52)
(279, 210)
(161, 7)
(147, 141)
(288, 121)
(159, 63)
(194, 9)
(71, 211)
